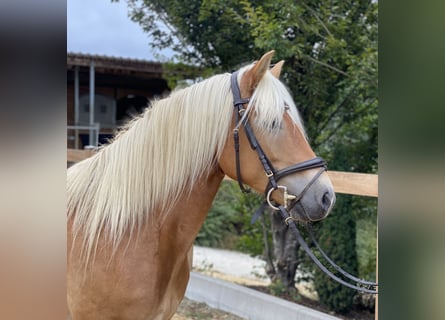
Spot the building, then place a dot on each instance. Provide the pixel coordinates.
(119, 89)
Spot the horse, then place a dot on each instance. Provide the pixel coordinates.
(135, 207)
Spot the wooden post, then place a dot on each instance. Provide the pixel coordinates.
(376, 311)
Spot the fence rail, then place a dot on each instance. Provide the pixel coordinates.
(361, 184)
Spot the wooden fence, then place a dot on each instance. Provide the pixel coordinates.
(361, 184)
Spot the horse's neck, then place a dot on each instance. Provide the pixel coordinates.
(182, 224)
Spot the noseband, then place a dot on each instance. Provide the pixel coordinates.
(274, 176)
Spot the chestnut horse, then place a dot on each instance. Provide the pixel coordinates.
(136, 206)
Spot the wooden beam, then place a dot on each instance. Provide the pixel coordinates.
(361, 184)
(75, 155)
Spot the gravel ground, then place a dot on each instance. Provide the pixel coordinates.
(191, 310)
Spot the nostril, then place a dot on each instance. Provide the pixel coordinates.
(326, 200)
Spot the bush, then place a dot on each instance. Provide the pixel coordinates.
(366, 241)
(337, 238)
(228, 222)
(222, 218)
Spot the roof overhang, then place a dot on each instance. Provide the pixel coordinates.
(116, 65)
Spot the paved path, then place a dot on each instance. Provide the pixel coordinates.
(238, 267)
(233, 264)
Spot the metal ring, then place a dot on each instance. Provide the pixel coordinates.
(270, 192)
(289, 218)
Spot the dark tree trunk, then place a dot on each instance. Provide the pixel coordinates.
(285, 254)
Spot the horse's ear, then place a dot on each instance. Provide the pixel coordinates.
(259, 69)
(276, 69)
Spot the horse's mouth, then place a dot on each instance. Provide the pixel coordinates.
(298, 212)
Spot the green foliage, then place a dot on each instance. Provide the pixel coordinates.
(366, 244)
(350, 247)
(179, 74)
(337, 237)
(251, 238)
(330, 49)
(228, 222)
(279, 289)
(222, 219)
(251, 242)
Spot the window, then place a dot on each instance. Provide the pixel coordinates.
(104, 110)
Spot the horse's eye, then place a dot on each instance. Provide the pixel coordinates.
(274, 125)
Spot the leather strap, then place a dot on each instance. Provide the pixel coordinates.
(291, 223)
(316, 162)
(238, 103)
(332, 263)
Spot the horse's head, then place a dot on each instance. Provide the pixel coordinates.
(274, 155)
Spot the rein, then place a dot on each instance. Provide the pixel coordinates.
(274, 176)
(368, 286)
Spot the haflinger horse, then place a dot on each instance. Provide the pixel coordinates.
(136, 206)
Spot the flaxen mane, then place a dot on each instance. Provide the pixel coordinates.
(160, 155)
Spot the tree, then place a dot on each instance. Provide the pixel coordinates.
(330, 49)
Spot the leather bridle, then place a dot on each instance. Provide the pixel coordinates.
(289, 200)
(272, 174)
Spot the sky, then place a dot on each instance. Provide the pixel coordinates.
(104, 28)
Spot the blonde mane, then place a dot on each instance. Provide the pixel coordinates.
(160, 155)
(268, 103)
